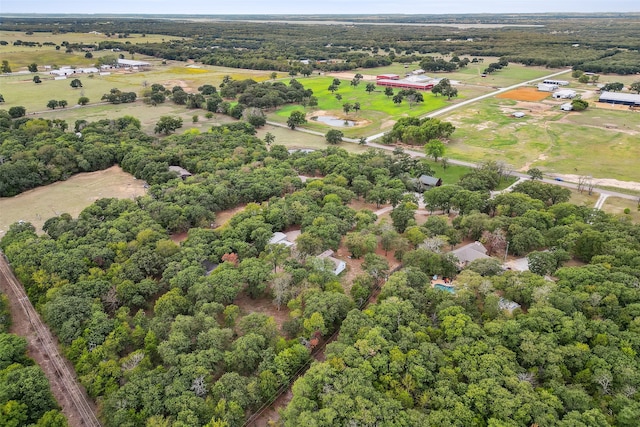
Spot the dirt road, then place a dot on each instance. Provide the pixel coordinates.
(43, 348)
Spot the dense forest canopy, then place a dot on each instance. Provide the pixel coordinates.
(157, 332)
(613, 38)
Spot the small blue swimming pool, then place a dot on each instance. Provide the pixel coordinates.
(445, 288)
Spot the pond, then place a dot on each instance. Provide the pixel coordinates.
(334, 121)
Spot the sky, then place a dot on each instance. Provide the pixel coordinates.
(221, 7)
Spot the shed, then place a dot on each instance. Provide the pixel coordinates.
(545, 87)
(470, 252)
(566, 106)
(564, 94)
(340, 265)
(180, 171)
(426, 182)
(518, 114)
(620, 98)
(128, 63)
(556, 82)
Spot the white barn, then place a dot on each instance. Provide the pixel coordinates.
(566, 106)
(546, 87)
(564, 94)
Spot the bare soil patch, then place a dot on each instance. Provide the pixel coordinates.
(262, 305)
(524, 94)
(223, 216)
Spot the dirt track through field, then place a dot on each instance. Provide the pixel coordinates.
(43, 348)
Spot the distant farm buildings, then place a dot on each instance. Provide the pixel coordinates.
(556, 82)
(130, 63)
(547, 87)
(620, 98)
(416, 81)
(68, 71)
(564, 94)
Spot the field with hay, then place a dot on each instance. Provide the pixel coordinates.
(525, 93)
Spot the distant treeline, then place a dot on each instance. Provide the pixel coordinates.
(611, 44)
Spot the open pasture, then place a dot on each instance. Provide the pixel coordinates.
(547, 138)
(21, 90)
(70, 196)
(472, 74)
(524, 93)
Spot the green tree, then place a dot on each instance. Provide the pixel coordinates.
(269, 138)
(370, 88)
(75, 83)
(83, 100)
(635, 87)
(16, 112)
(434, 148)
(360, 243)
(334, 136)
(579, 105)
(36, 79)
(168, 124)
(33, 67)
(52, 104)
(535, 173)
(388, 91)
(296, 118)
(5, 68)
(62, 103)
(613, 87)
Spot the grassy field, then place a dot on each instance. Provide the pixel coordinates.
(617, 205)
(472, 74)
(21, 56)
(596, 142)
(378, 112)
(71, 196)
(20, 89)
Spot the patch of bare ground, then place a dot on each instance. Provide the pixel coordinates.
(223, 216)
(262, 305)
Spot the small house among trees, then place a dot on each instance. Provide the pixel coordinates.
(426, 182)
(181, 172)
(340, 265)
(470, 252)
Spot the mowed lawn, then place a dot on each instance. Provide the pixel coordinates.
(71, 196)
(378, 112)
(601, 143)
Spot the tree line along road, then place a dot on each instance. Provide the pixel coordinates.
(43, 348)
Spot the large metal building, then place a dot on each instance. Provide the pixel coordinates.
(620, 98)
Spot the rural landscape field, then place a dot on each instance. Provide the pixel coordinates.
(323, 220)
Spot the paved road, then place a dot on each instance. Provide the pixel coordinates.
(520, 175)
(476, 99)
(43, 348)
